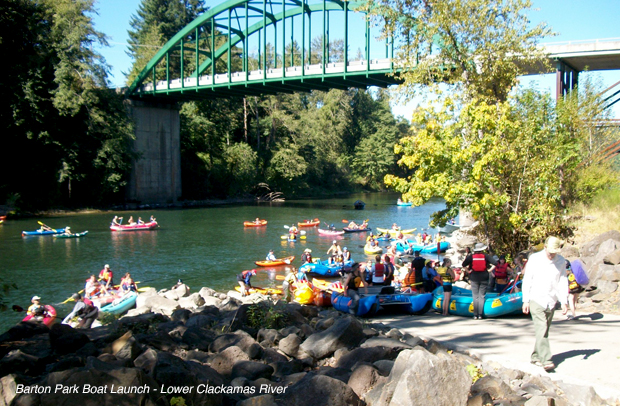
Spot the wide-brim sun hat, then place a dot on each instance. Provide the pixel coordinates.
(553, 245)
(35, 298)
(479, 247)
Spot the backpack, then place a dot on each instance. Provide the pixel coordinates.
(479, 263)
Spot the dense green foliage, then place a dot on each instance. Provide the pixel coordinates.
(514, 161)
(66, 137)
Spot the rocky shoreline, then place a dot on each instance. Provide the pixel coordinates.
(211, 348)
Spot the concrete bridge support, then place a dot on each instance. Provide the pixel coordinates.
(156, 173)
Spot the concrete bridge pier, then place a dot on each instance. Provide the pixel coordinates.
(156, 174)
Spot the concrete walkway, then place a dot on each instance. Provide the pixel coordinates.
(586, 350)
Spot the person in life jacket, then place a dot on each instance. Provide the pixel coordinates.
(447, 276)
(502, 272)
(306, 257)
(479, 265)
(574, 289)
(36, 309)
(244, 281)
(84, 309)
(106, 278)
(351, 285)
(378, 271)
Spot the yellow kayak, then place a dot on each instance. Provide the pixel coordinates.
(262, 291)
(372, 250)
(322, 284)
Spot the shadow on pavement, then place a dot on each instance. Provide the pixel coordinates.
(559, 358)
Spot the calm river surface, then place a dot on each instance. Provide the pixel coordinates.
(204, 247)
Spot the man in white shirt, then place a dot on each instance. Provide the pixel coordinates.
(544, 284)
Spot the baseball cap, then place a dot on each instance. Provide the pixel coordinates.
(35, 298)
(553, 245)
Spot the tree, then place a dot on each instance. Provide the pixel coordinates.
(514, 165)
(480, 46)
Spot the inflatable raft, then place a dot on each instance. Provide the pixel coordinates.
(47, 319)
(330, 232)
(121, 304)
(356, 230)
(368, 305)
(135, 227)
(395, 232)
(45, 232)
(495, 305)
(424, 249)
(323, 268)
(372, 250)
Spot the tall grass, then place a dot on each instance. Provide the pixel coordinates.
(600, 215)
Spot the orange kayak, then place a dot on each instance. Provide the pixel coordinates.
(309, 223)
(277, 262)
(254, 224)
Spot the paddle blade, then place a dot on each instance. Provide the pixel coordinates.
(345, 221)
(287, 227)
(287, 261)
(284, 237)
(302, 237)
(302, 232)
(280, 277)
(17, 308)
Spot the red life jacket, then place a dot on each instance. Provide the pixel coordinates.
(479, 263)
(88, 302)
(501, 271)
(379, 270)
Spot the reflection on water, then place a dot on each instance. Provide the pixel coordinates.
(204, 247)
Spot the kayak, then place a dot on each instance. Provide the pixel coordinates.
(323, 268)
(330, 232)
(261, 223)
(45, 232)
(121, 304)
(403, 204)
(368, 305)
(324, 285)
(309, 223)
(48, 319)
(277, 262)
(495, 305)
(73, 235)
(395, 232)
(135, 227)
(372, 250)
(356, 230)
(288, 238)
(262, 291)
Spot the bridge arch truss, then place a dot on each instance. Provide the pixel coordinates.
(249, 47)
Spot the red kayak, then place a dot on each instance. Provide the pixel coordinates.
(135, 227)
(262, 223)
(47, 319)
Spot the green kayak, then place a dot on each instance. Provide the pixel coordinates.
(74, 235)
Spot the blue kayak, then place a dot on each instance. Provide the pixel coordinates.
(324, 269)
(403, 204)
(46, 232)
(368, 305)
(122, 304)
(495, 304)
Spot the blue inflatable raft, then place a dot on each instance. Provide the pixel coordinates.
(417, 304)
(495, 304)
(424, 249)
(122, 304)
(324, 269)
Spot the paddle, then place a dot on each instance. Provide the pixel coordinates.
(280, 277)
(302, 232)
(45, 225)
(345, 221)
(301, 237)
(17, 308)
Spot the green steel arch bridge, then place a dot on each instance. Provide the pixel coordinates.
(251, 47)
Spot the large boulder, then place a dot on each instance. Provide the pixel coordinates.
(239, 339)
(125, 347)
(611, 274)
(591, 248)
(369, 354)
(65, 339)
(224, 361)
(364, 378)
(419, 377)
(161, 305)
(17, 361)
(320, 390)
(251, 370)
(386, 342)
(290, 345)
(198, 338)
(492, 385)
(193, 301)
(346, 332)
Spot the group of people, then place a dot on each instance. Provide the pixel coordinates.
(117, 221)
(354, 226)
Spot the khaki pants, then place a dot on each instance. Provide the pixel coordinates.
(542, 318)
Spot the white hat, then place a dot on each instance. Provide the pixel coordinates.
(334, 242)
(106, 266)
(553, 245)
(35, 298)
(307, 250)
(479, 247)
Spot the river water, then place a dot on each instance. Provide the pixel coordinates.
(204, 247)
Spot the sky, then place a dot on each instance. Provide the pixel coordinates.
(572, 20)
